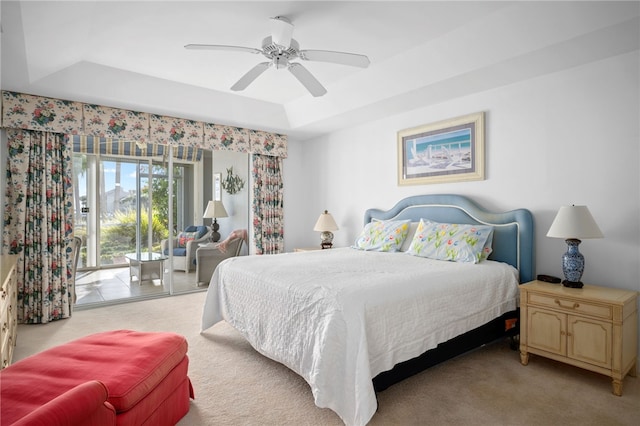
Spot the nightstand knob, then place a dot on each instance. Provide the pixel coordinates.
(574, 306)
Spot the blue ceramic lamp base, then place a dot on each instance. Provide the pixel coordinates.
(572, 264)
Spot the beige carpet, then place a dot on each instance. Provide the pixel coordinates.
(234, 385)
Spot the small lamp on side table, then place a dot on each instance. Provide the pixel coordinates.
(325, 225)
(214, 210)
(573, 223)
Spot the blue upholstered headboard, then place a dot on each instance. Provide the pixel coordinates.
(512, 234)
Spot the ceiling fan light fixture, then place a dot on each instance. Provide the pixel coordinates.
(281, 31)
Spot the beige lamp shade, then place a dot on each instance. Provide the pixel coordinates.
(574, 222)
(215, 209)
(325, 223)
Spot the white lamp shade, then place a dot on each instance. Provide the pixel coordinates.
(574, 222)
(214, 209)
(325, 223)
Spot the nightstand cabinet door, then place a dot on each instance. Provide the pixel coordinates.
(547, 331)
(589, 341)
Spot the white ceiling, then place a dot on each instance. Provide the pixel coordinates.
(131, 55)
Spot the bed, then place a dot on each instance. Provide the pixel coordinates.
(352, 322)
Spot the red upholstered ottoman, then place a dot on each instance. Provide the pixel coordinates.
(145, 375)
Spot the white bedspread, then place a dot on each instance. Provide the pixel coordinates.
(339, 317)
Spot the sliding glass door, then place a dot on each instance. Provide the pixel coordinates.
(127, 204)
(122, 207)
(122, 213)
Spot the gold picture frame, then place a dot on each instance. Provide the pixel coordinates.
(446, 151)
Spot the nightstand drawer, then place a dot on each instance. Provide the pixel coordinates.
(570, 305)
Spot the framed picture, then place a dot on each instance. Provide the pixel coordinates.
(217, 186)
(447, 151)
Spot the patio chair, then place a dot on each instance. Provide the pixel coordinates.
(208, 257)
(185, 246)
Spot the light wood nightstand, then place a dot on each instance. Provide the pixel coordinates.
(300, 249)
(595, 328)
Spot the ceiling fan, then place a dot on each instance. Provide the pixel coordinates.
(281, 50)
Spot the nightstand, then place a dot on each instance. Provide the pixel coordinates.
(595, 328)
(306, 249)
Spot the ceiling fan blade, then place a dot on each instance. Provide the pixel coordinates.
(221, 47)
(281, 31)
(343, 58)
(248, 78)
(307, 79)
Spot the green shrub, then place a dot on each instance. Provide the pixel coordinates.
(119, 236)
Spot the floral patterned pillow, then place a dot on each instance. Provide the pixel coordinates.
(380, 235)
(451, 241)
(185, 237)
(407, 241)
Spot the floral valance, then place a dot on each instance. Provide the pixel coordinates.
(106, 122)
(226, 138)
(37, 113)
(172, 131)
(24, 111)
(267, 143)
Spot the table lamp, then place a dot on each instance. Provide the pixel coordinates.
(573, 223)
(325, 225)
(214, 210)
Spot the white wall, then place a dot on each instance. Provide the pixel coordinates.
(571, 137)
(236, 205)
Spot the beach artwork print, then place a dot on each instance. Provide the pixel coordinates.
(447, 151)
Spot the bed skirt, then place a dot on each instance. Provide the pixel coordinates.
(501, 327)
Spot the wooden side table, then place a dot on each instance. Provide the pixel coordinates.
(595, 328)
(301, 249)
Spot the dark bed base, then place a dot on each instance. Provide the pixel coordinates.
(493, 330)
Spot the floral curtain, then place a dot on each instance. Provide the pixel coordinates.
(268, 204)
(38, 217)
